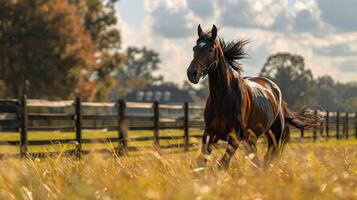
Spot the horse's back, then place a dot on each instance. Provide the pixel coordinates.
(267, 84)
(265, 101)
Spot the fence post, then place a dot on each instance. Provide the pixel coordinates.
(346, 125)
(314, 132)
(78, 124)
(23, 126)
(122, 128)
(156, 121)
(355, 124)
(327, 124)
(302, 132)
(338, 125)
(186, 127)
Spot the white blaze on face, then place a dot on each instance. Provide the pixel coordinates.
(202, 44)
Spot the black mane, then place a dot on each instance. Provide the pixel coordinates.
(234, 51)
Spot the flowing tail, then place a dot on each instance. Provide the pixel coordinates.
(308, 117)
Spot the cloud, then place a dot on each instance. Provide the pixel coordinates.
(348, 66)
(340, 14)
(168, 18)
(269, 15)
(176, 59)
(170, 23)
(339, 49)
(305, 21)
(201, 8)
(249, 14)
(125, 30)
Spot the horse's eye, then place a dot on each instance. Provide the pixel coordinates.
(210, 49)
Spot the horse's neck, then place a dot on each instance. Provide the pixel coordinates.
(223, 84)
(218, 82)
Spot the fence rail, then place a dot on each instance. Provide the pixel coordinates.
(24, 115)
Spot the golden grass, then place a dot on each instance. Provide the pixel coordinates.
(322, 170)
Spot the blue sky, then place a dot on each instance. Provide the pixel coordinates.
(323, 31)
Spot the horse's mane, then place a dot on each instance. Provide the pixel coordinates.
(234, 51)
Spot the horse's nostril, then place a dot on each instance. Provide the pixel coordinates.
(193, 73)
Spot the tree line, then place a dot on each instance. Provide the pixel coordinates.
(299, 88)
(58, 49)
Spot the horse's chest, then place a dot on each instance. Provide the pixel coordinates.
(221, 125)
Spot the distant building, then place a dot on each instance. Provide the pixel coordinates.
(164, 94)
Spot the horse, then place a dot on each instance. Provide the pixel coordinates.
(240, 108)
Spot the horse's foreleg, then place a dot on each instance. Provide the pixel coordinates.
(233, 144)
(207, 147)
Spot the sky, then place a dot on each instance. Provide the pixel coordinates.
(324, 32)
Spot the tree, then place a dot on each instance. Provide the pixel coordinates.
(138, 71)
(295, 81)
(347, 96)
(100, 19)
(327, 93)
(44, 49)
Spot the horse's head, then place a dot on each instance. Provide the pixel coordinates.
(204, 55)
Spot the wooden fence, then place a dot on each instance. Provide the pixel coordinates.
(21, 116)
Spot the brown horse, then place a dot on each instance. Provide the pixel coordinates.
(240, 109)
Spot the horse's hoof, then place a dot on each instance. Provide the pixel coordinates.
(201, 162)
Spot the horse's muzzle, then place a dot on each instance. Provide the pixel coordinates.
(193, 76)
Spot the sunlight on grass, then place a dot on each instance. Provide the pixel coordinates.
(322, 170)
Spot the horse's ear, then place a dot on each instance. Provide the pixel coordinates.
(214, 32)
(199, 30)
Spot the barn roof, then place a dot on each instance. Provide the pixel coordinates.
(164, 94)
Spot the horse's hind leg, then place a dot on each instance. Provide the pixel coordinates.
(251, 149)
(207, 147)
(276, 140)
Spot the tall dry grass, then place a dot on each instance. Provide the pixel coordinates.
(323, 170)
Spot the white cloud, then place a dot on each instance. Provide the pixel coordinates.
(126, 31)
(202, 8)
(176, 60)
(340, 14)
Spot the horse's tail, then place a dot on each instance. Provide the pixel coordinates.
(308, 117)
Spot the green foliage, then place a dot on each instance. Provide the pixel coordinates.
(100, 20)
(295, 81)
(336, 96)
(141, 62)
(327, 94)
(138, 71)
(2, 89)
(40, 53)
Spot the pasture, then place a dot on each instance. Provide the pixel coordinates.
(314, 164)
(320, 170)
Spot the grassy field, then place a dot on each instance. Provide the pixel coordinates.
(322, 170)
(4, 136)
(99, 134)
